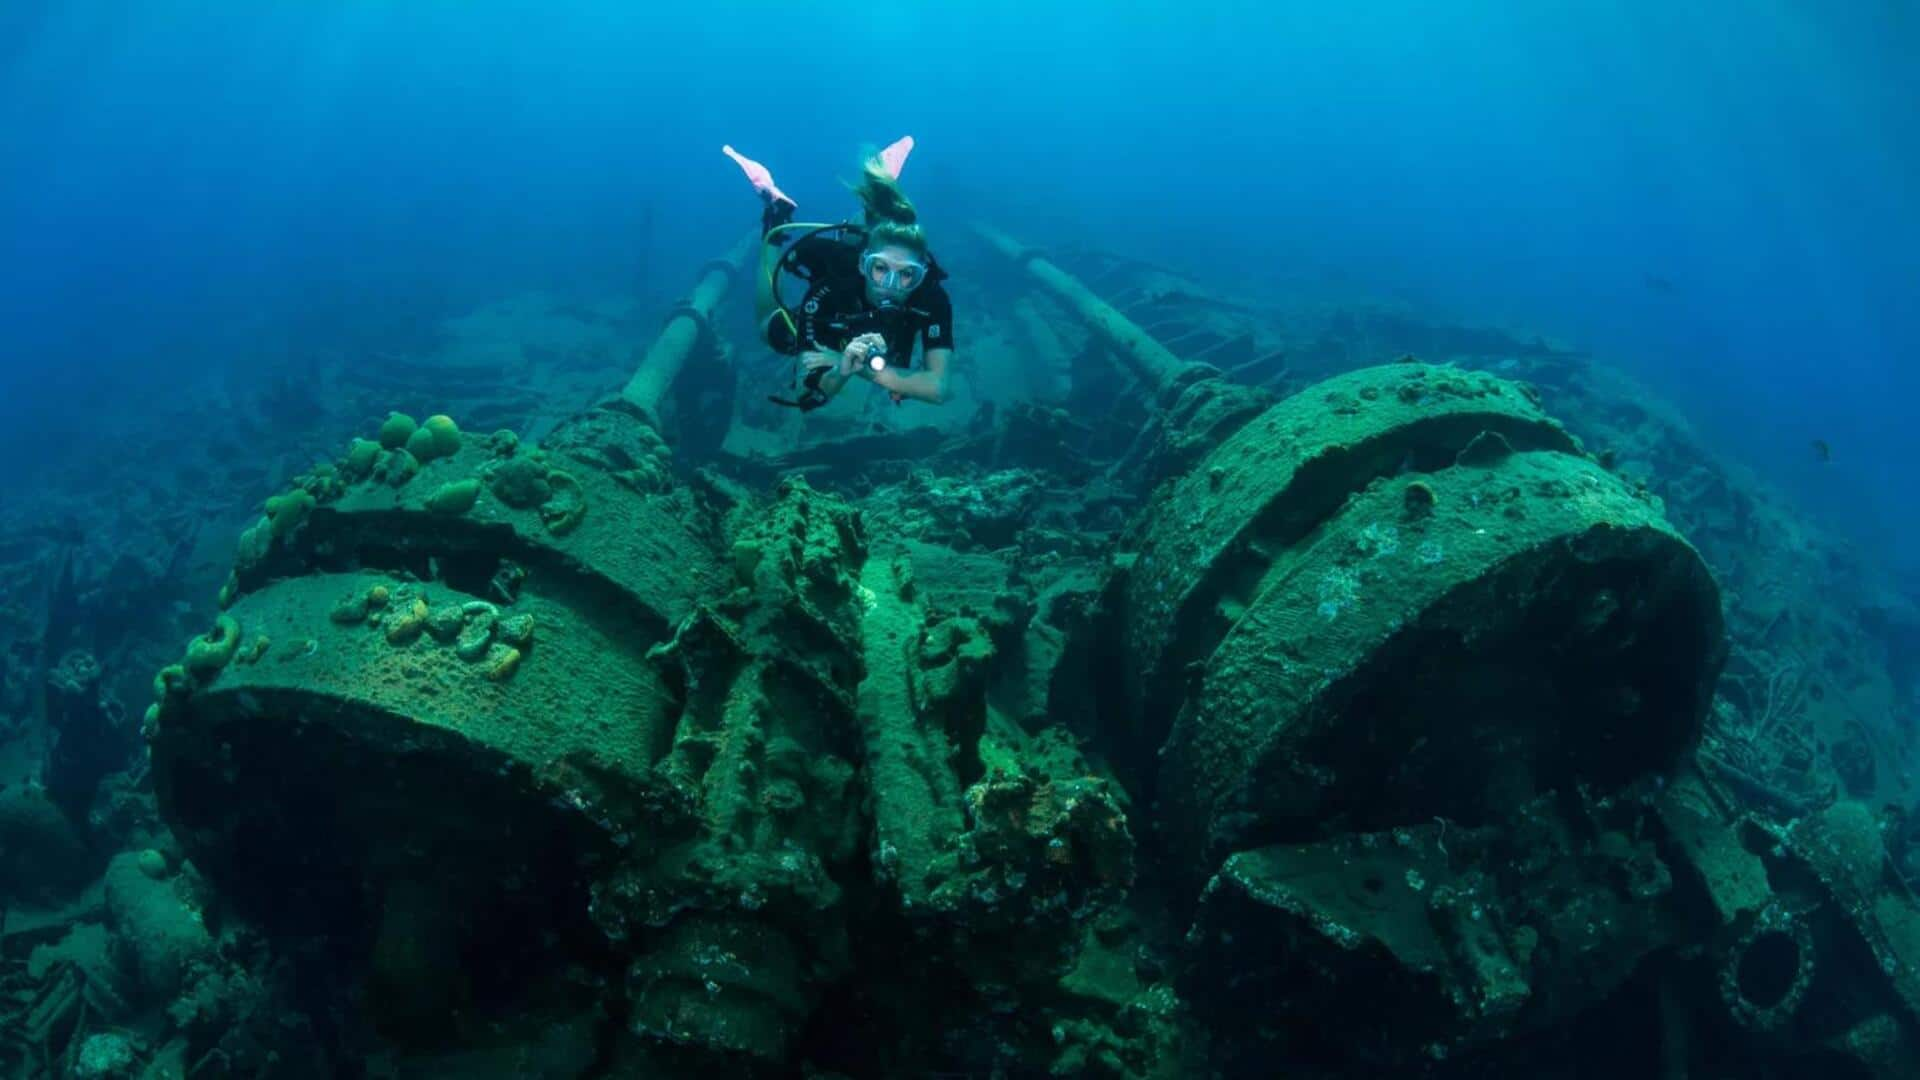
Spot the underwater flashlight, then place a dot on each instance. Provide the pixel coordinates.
(877, 358)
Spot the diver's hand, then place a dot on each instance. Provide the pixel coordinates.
(862, 349)
(816, 359)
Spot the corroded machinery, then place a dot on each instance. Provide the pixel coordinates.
(1409, 647)
(1813, 939)
(1413, 563)
(1394, 652)
(495, 716)
(1384, 677)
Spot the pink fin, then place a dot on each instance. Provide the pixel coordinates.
(758, 175)
(894, 157)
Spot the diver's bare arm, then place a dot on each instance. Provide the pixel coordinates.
(929, 386)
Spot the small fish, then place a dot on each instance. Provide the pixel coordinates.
(1821, 450)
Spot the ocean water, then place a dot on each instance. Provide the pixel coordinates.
(1716, 193)
(232, 236)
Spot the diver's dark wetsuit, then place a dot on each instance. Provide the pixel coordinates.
(835, 310)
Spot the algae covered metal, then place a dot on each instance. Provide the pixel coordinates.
(1391, 648)
(1399, 645)
(480, 706)
(1368, 702)
(1390, 579)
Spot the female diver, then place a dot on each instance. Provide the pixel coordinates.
(871, 289)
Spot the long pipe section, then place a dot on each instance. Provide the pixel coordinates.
(1145, 358)
(669, 352)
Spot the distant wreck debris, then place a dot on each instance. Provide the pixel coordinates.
(1192, 403)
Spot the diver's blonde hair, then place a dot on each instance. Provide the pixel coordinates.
(890, 217)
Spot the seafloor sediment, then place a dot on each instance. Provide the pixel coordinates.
(1210, 688)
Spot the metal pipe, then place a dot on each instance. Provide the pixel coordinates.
(1147, 359)
(669, 352)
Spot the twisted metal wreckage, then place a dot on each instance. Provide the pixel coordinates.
(1366, 741)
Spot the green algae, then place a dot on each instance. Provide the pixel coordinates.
(438, 437)
(396, 430)
(172, 680)
(211, 651)
(287, 512)
(422, 445)
(446, 435)
(360, 459)
(456, 497)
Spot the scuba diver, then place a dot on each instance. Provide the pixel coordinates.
(871, 289)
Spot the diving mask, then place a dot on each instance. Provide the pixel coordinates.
(900, 275)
